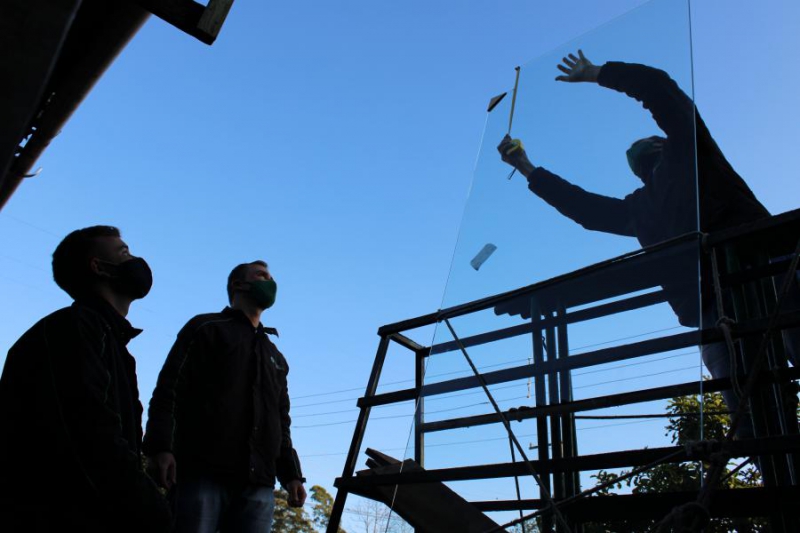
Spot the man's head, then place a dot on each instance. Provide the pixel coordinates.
(644, 155)
(253, 282)
(96, 257)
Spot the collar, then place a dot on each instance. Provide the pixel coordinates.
(119, 325)
(239, 315)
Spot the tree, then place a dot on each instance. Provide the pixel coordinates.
(290, 519)
(375, 517)
(296, 519)
(322, 507)
(684, 427)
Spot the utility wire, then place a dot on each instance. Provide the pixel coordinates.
(442, 397)
(632, 378)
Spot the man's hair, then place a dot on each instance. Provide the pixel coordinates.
(650, 138)
(238, 274)
(71, 269)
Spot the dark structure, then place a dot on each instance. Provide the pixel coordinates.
(748, 298)
(54, 51)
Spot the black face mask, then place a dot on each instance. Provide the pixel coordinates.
(132, 277)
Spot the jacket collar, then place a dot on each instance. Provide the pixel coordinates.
(119, 325)
(239, 315)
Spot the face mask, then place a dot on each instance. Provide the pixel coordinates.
(263, 292)
(644, 155)
(132, 277)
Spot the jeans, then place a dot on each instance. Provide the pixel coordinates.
(204, 505)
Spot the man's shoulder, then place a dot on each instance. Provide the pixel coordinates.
(63, 320)
(205, 321)
(56, 325)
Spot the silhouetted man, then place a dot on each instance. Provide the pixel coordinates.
(70, 416)
(218, 431)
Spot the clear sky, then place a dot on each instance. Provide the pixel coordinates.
(337, 141)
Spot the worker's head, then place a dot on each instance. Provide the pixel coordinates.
(93, 260)
(644, 155)
(253, 283)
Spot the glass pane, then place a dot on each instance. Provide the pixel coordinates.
(586, 329)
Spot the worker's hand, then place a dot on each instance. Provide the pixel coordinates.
(578, 69)
(512, 152)
(163, 469)
(297, 493)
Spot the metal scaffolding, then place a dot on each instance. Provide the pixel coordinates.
(749, 302)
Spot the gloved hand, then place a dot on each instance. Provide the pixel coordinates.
(577, 69)
(513, 153)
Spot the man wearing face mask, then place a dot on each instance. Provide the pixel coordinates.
(70, 416)
(218, 431)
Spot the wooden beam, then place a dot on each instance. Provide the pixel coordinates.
(199, 21)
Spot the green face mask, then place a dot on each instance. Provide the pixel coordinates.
(263, 292)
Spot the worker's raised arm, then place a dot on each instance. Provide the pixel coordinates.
(671, 108)
(592, 211)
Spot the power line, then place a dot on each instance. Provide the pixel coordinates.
(607, 369)
(494, 439)
(513, 385)
(34, 226)
(466, 372)
(504, 400)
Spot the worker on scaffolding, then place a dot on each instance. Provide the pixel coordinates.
(665, 206)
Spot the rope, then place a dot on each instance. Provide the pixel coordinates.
(589, 492)
(724, 324)
(516, 480)
(542, 488)
(687, 518)
(689, 515)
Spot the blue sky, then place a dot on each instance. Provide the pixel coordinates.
(337, 141)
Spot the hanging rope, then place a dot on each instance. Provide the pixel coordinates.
(589, 492)
(516, 481)
(551, 505)
(724, 324)
(689, 515)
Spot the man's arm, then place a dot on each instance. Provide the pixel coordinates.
(670, 107)
(109, 464)
(592, 211)
(287, 465)
(161, 420)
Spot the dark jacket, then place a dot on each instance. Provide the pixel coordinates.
(666, 206)
(71, 427)
(221, 404)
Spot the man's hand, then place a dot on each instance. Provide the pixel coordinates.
(163, 469)
(297, 493)
(578, 69)
(512, 152)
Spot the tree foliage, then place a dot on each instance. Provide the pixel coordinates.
(685, 423)
(290, 519)
(297, 519)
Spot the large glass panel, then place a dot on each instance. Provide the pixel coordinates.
(589, 330)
